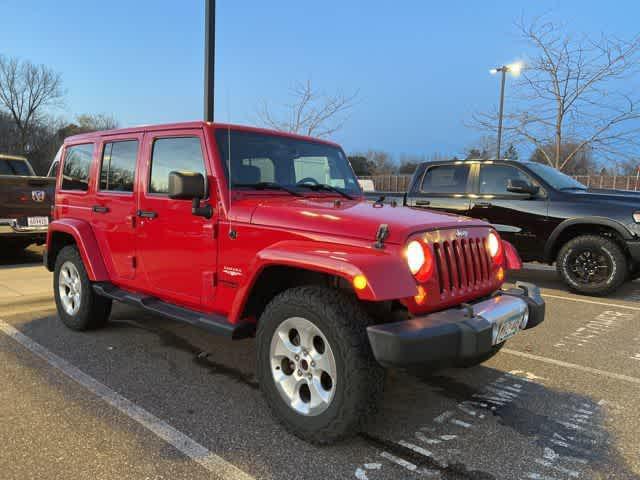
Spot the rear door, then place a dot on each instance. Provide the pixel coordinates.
(114, 208)
(177, 250)
(443, 187)
(520, 218)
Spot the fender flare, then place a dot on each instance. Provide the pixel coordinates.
(592, 220)
(87, 245)
(344, 261)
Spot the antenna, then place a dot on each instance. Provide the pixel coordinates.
(209, 57)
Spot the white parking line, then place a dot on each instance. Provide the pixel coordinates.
(573, 366)
(593, 302)
(216, 465)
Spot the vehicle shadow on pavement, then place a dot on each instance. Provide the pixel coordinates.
(26, 257)
(477, 423)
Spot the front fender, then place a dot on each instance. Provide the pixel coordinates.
(86, 243)
(388, 277)
(592, 220)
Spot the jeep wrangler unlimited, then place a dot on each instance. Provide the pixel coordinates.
(246, 232)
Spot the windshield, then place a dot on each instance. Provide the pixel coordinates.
(9, 166)
(555, 178)
(271, 160)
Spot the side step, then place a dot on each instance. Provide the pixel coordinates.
(213, 323)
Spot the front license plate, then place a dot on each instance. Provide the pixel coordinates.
(37, 221)
(508, 329)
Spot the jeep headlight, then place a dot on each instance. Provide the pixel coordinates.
(636, 217)
(415, 256)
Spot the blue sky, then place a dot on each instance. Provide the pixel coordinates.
(421, 67)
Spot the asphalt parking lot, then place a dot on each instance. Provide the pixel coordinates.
(147, 398)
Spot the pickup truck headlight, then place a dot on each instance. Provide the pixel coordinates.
(636, 217)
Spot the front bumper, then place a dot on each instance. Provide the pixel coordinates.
(458, 334)
(10, 227)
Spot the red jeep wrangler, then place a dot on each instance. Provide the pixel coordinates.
(245, 232)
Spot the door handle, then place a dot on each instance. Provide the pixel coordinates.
(482, 204)
(147, 214)
(100, 209)
(423, 203)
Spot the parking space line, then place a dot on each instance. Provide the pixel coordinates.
(216, 465)
(573, 366)
(593, 302)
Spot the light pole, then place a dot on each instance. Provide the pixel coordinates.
(515, 69)
(209, 57)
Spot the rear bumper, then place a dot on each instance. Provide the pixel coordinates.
(10, 227)
(458, 334)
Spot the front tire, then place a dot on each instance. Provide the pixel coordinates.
(592, 265)
(79, 307)
(315, 364)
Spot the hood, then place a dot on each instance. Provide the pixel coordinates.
(601, 195)
(353, 218)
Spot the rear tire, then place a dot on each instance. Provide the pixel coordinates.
(592, 265)
(79, 307)
(332, 331)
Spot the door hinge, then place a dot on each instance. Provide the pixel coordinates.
(214, 231)
(134, 263)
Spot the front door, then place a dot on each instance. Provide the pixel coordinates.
(520, 218)
(443, 187)
(176, 249)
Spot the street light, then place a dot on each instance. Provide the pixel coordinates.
(514, 69)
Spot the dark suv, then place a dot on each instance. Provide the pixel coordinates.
(593, 236)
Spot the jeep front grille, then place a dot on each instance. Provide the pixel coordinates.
(462, 265)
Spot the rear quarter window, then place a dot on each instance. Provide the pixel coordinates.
(76, 167)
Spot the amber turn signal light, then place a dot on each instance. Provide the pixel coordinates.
(359, 282)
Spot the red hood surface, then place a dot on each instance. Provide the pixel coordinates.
(352, 218)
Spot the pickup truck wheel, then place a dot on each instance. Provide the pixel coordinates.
(592, 265)
(315, 364)
(79, 307)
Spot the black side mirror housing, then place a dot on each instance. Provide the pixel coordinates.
(517, 185)
(186, 185)
(190, 186)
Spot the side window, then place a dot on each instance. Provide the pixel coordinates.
(446, 179)
(76, 167)
(494, 178)
(118, 168)
(169, 154)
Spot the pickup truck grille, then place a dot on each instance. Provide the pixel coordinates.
(462, 265)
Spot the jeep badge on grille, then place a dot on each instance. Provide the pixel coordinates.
(461, 233)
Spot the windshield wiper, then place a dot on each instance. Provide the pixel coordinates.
(572, 188)
(268, 186)
(327, 188)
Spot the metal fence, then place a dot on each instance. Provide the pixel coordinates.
(400, 183)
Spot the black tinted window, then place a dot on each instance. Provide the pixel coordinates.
(169, 154)
(77, 164)
(446, 179)
(494, 178)
(118, 166)
(10, 166)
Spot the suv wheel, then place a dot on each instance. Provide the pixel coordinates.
(79, 307)
(315, 365)
(592, 265)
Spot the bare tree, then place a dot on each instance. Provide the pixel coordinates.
(310, 113)
(570, 93)
(26, 90)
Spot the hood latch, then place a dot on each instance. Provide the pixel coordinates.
(381, 236)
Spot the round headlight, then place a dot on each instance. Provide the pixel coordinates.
(493, 243)
(415, 256)
(636, 217)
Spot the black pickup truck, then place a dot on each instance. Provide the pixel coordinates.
(25, 203)
(593, 236)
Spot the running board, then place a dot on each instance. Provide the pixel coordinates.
(213, 323)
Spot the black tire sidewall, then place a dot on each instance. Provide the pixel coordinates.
(93, 309)
(319, 428)
(594, 243)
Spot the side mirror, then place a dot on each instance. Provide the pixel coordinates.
(190, 186)
(517, 185)
(186, 185)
